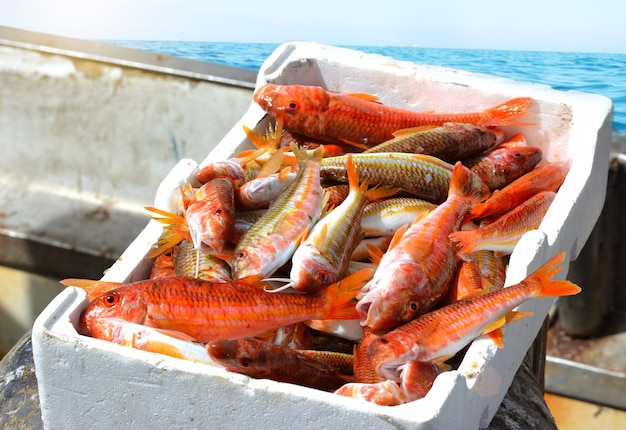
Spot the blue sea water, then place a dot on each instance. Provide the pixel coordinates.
(597, 73)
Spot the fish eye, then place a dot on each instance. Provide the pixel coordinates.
(168, 253)
(240, 255)
(322, 276)
(518, 154)
(218, 212)
(383, 340)
(412, 307)
(243, 363)
(293, 105)
(111, 299)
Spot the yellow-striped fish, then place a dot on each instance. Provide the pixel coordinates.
(271, 241)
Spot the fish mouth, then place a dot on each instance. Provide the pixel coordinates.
(222, 349)
(368, 311)
(391, 370)
(205, 243)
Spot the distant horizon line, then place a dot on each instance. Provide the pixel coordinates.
(357, 46)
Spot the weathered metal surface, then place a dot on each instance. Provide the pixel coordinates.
(86, 132)
(19, 395)
(587, 345)
(584, 382)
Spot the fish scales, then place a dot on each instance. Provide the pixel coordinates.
(441, 333)
(208, 310)
(450, 142)
(359, 118)
(270, 242)
(503, 234)
(322, 258)
(421, 175)
(384, 217)
(417, 269)
(501, 166)
(259, 359)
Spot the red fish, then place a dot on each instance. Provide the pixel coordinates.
(416, 271)
(358, 118)
(416, 380)
(138, 336)
(439, 334)
(503, 234)
(259, 359)
(323, 257)
(163, 265)
(501, 166)
(208, 310)
(548, 177)
(210, 214)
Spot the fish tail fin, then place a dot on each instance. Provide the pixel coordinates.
(466, 183)
(466, 241)
(542, 279)
(175, 231)
(504, 112)
(340, 296)
(302, 154)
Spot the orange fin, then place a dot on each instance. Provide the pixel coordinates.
(284, 173)
(543, 278)
(358, 145)
(320, 239)
(341, 295)
(93, 288)
(397, 236)
(441, 362)
(504, 112)
(376, 254)
(466, 240)
(272, 165)
(379, 193)
(497, 337)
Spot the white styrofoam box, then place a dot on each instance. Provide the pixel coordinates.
(89, 383)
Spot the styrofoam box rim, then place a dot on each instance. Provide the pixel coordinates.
(572, 125)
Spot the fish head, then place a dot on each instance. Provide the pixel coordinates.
(294, 104)
(110, 329)
(254, 259)
(513, 162)
(388, 352)
(418, 377)
(313, 273)
(210, 223)
(386, 306)
(126, 303)
(230, 168)
(245, 355)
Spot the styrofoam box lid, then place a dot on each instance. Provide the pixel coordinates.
(89, 383)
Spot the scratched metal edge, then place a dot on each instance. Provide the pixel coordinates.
(584, 382)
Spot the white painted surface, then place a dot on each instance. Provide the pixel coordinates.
(88, 383)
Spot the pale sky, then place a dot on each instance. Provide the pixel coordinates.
(537, 25)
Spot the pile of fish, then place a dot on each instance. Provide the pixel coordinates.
(359, 249)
